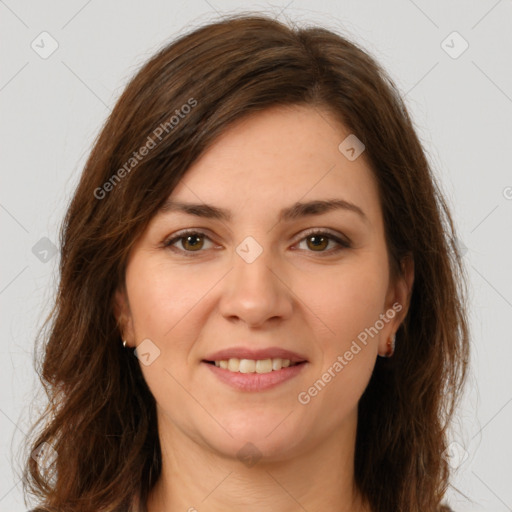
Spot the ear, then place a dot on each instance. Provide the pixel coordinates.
(123, 316)
(397, 302)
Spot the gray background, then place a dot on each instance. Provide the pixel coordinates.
(52, 108)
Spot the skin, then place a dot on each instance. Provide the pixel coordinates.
(293, 296)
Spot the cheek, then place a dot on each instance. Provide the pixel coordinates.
(347, 353)
(346, 303)
(165, 302)
(161, 297)
(345, 300)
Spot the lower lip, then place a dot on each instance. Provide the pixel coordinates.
(256, 381)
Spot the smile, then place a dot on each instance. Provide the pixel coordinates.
(254, 375)
(253, 365)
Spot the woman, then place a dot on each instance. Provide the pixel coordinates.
(261, 301)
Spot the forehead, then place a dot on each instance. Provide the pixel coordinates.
(277, 157)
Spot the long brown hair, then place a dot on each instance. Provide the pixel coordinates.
(101, 417)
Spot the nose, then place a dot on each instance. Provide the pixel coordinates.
(256, 292)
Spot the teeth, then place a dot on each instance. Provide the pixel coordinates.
(277, 364)
(234, 365)
(263, 366)
(253, 366)
(247, 366)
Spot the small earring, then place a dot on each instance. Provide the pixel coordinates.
(391, 346)
(124, 343)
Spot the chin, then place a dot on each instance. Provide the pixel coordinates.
(259, 436)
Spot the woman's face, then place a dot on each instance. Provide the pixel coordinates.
(266, 274)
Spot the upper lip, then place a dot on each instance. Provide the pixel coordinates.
(251, 353)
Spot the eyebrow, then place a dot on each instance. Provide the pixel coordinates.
(293, 212)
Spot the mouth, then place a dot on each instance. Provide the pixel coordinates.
(254, 369)
(260, 366)
(254, 375)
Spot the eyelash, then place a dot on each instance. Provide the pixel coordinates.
(342, 244)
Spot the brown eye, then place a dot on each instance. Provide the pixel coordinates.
(188, 242)
(317, 242)
(324, 243)
(193, 242)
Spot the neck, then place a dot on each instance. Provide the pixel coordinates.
(195, 477)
